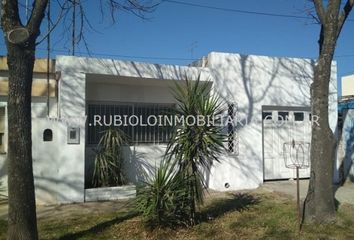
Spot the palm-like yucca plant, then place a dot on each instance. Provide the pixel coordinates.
(2, 192)
(163, 198)
(195, 147)
(108, 169)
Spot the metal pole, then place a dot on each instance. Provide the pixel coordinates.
(48, 60)
(73, 30)
(298, 197)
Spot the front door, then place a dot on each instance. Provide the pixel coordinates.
(284, 125)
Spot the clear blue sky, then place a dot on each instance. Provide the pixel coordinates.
(177, 34)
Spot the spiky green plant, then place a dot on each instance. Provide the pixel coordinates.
(162, 199)
(108, 169)
(3, 197)
(195, 147)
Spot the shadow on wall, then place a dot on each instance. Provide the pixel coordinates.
(263, 82)
(55, 183)
(48, 189)
(251, 82)
(140, 162)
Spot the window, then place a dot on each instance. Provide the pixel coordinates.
(136, 120)
(232, 136)
(47, 135)
(103, 112)
(73, 135)
(267, 115)
(299, 116)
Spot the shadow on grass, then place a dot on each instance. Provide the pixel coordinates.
(236, 202)
(98, 228)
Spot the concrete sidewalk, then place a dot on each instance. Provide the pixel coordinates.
(344, 194)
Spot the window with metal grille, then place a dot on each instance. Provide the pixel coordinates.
(140, 122)
(232, 141)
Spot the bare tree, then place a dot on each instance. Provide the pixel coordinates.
(21, 44)
(319, 205)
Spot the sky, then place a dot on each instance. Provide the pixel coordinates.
(175, 33)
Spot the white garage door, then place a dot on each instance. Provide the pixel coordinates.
(284, 125)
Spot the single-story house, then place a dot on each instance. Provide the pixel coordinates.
(268, 96)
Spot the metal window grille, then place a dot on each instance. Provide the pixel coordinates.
(141, 133)
(232, 141)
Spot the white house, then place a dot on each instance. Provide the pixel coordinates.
(268, 96)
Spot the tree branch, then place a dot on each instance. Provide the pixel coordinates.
(321, 12)
(38, 13)
(345, 13)
(9, 15)
(63, 11)
(138, 8)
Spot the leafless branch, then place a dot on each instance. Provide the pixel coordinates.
(36, 17)
(63, 11)
(321, 12)
(345, 13)
(135, 7)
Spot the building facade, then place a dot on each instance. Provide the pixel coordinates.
(268, 97)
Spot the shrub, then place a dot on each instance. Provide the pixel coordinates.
(108, 169)
(196, 147)
(2, 192)
(163, 198)
(171, 195)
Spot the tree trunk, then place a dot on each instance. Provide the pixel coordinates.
(22, 207)
(319, 204)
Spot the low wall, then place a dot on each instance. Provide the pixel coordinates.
(110, 193)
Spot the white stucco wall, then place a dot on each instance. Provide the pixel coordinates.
(84, 80)
(72, 86)
(57, 166)
(253, 82)
(39, 114)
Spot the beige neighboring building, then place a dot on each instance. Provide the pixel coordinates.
(348, 86)
(39, 86)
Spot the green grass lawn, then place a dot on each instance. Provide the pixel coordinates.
(234, 216)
